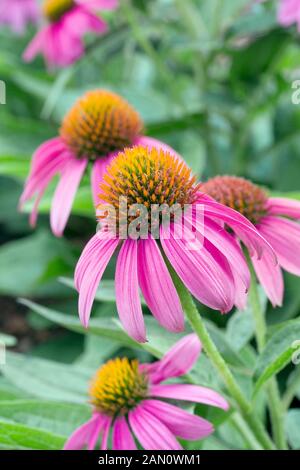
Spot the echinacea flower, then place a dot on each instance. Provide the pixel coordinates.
(60, 40)
(272, 218)
(18, 13)
(100, 124)
(130, 402)
(213, 268)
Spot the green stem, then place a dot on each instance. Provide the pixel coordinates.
(274, 399)
(212, 352)
(242, 427)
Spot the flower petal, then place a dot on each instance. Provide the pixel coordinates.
(270, 277)
(65, 194)
(181, 423)
(82, 435)
(122, 438)
(151, 432)
(157, 286)
(187, 392)
(204, 276)
(178, 361)
(89, 271)
(284, 206)
(284, 236)
(127, 291)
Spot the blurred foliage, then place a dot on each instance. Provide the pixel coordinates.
(214, 80)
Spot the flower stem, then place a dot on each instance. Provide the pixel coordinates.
(212, 352)
(274, 400)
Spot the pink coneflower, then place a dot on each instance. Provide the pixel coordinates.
(215, 271)
(99, 124)
(61, 39)
(18, 13)
(289, 12)
(271, 217)
(130, 400)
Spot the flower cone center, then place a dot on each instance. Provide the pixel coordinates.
(239, 194)
(100, 123)
(118, 387)
(54, 9)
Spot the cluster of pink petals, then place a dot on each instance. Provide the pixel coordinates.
(61, 42)
(155, 423)
(283, 234)
(216, 273)
(55, 158)
(289, 12)
(18, 13)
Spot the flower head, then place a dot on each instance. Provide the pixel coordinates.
(165, 220)
(272, 219)
(60, 40)
(99, 124)
(130, 400)
(18, 13)
(288, 12)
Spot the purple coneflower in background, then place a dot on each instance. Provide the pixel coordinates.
(272, 219)
(99, 124)
(214, 270)
(130, 401)
(18, 13)
(61, 39)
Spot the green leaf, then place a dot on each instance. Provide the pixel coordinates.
(54, 417)
(292, 426)
(18, 437)
(277, 354)
(47, 379)
(240, 329)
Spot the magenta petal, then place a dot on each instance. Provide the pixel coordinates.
(98, 171)
(192, 393)
(284, 206)
(122, 438)
(127, 291)
(157, 286)
(105, 433)
(89, 271)
(181, 423)
(270, 277)
(177, 361)
(203, 275)
(284, 236)
(82, 435)
(151, 432)
(65, 194)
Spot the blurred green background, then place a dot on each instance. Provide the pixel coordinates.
(211, 78)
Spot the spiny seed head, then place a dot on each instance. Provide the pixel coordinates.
(239, 194)
(99, 123)
(118, 386)
(54, 9)
(148, 176)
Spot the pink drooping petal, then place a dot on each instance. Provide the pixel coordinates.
(270, 277)
(127, 291)
(178, 361)
(98, 171)
(151, 432)
(181, 423)
(284, 236)
(35, 46)
(199, 271)
(90, 269)
(83, 435)
(150, 142)
(241, 295)
(18, 13)
(157, 286)
(122, 438)
(284, 206)
(193, 393)
(79, 21)
(105, 433)
(65, 193)
(239, 224)
(99, 4)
